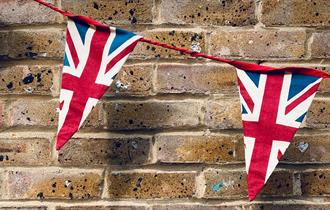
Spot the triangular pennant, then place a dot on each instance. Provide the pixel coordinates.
(93, 57)
(273, 107)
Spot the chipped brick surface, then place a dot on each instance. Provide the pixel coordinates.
(318, 114)
(26, 12)
(258, 44)
(315, 183)
(25, 152)
(115, 11)
(51, 183)
(233, 13)
(27, 79)
(113, 151)
(202, 79)
(188, 148)
(295, 13)
(147, 185)
(152, 114)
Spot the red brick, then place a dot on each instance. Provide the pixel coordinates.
(198, 148)
(205, 79)
(295, 13)
(130, 115)
(151, 185)
(258, 44)
(52, 183)
(25, 152)
(17, 12)
(234, 13)
(115, 150)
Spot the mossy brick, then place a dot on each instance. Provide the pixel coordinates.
(208, 13)
(113, 12)
(53, 183)
(258, 44)
(120, 150)
(19, 12)
(295, 13)
(195, 79)
(25, 152)
(151, 185)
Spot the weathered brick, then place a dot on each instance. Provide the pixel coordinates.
(175, 78)
(102, 208)
(36, 44)
(287, 206)
(23, 208)
(234, 13)
(151, 185)
(258, 44)
(174, 37)
(25, 152)
(295, 13)
(26, 12)
(152, 114)
(223, 113)
(197, 207)
(233, 184)
(120, 150)
(133, 80)
(4, 44)
(316, 182)
(52, 183)
(2, 114)
(318, 114)
(320, 44)
(113, 12)
(23, 112)
(306, 148)
(198, 148)
(22, 79)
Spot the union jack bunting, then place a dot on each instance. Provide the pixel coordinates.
(273, 107)
(93, 57)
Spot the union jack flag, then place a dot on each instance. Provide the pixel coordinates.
(273, 106)
(93, 57)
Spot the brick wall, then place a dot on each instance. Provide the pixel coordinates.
(173, 138)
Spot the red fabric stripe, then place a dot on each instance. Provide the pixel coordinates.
(72, 49)
(303, 97)
(245, 95)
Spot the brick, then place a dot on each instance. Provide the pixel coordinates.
(22, 79)
(36, 44)
(4, 44)
(318, 114)
(42, 113)
(233, 13)
(23, 208)
(320, 45)
(220, 184)
(2, 114)
(113, 12)
(177, 38)
(101, 208)
(204, 79)
(26, 12)
(25, 152)
(152, 114)
(258, 44)
(315, 183)
(295, 13)
(197, 207)
(197, 148)
(120, 150)
(309, 148)
(289, 206)
(52, 183)
(151, 185)
(223, 113)
(132, 80)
